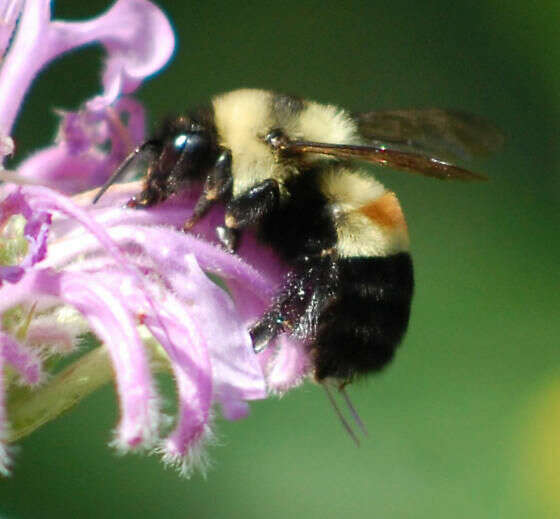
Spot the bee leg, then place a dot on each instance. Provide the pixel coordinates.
(151, 195)
(265, 329)
(247, 209)
(286, 312)
(227, 237)
(305, 294)
(217, 186)
(253, 205)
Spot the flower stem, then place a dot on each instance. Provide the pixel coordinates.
(30, 409)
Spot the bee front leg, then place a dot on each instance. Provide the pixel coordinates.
(217, 186)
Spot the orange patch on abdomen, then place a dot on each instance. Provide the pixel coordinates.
(385, 211)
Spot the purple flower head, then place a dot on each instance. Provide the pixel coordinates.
(131, 277)
(120, 268)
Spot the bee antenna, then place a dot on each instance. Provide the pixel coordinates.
(151, 145)
(343, 420)
(353, 411)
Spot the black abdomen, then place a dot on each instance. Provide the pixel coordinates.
(366, 320)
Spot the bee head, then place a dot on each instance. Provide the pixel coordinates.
(188, 150)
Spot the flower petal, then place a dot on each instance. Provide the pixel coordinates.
(237, 372)
(191, 364)
(286, 363)
(22, 358)
(79, 160)
(289, 366)
(112, 323)
(28, 53)
(117, 265)
(11, 273)
(28, 365)
(193, 375)
(109, 318)
(136, 34)
(139, 40)
(36, 232)
(56, 166)
(9, 13)
(14, 203)
(5, 458)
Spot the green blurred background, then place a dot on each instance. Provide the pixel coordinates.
(466, 422)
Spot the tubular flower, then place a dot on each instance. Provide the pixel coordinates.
(152, 295)
(78, 160)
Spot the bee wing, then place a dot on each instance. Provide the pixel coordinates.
(381, 156)
(431, 131)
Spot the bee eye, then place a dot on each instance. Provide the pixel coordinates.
(190, 142)
(179, 142)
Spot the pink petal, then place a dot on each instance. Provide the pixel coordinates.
(28, 366)
(11, 273)
(252, 288)
(41, 198)
(5, 458)
(36, 232)
(28, 53)
(139, 40)
(237, 373)
(108, 317)
(193, 375)
(14, 203)
(22, 358)
(78, 161)
(290, 365)
(70, 173)
(136, 34)
(9, 13)
(192, 369)
(113, 324)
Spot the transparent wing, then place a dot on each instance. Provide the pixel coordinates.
(431, 131)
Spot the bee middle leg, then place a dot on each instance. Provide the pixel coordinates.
(217, 186)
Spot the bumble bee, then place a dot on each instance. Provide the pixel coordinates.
(286, 168)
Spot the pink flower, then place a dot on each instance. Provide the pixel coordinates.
(130, 276)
